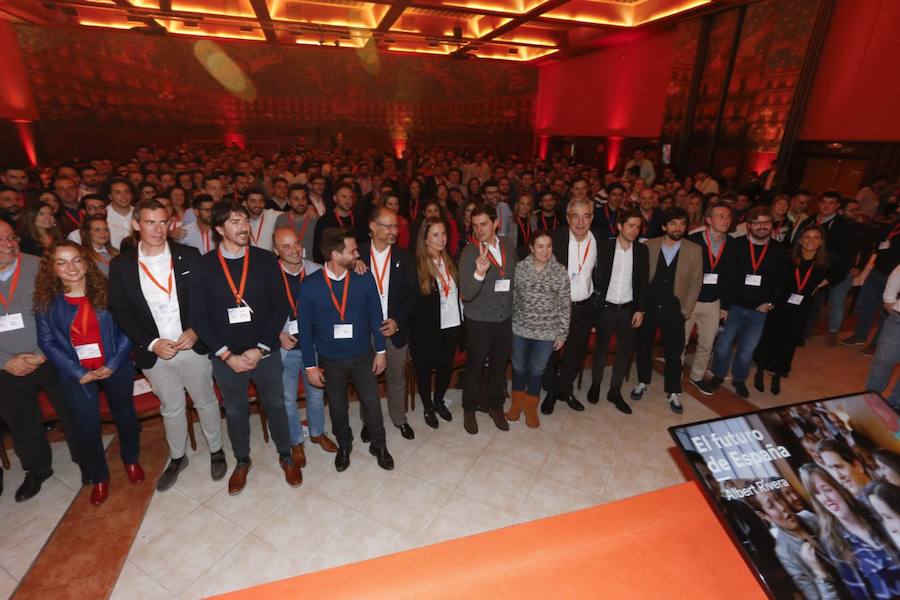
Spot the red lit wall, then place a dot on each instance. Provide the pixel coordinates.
(16, 100)
(856, 90)
(616, 91)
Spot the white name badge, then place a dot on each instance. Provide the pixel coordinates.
(885, 245)
(795, 299)
(292, 327)
(303, 254)
(343, 331)
(501, 285)
(754, 280)
(710, 278)
(239, 314)
(86, 351)
(11, 322)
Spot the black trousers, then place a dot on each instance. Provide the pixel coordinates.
(486, 386)
(21, 411)
(338, 375)
(670, 321)
(564, 365)
(610, 320)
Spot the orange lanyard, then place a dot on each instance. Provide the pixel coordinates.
(302, 229)
(445, 281)
(379, 277)
(255, 238)
(238, 293)
(526, 232)
(714, 262)
(894, 232)
(205, 238)
(544, 222)
(105, 261)
(502, 264)
(342, 308)
(12, 286)
(287, 289)
(168, 288)
(802, 284)
(414, 209)
(73, 219)
(341, 221)
(587, 249)
(757, 263)
(609, 222)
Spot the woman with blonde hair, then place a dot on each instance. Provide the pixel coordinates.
(437, 320)
(78, 336)
(865, 558)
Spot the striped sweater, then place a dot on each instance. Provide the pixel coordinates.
(541, 302)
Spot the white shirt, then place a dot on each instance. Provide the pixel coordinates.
(261, 229)
(74, 236)
(163, 307)
(380, 261)
(202, 242)
(892, 290)
(119, 226)
(581, 266)
(619, 290)
(450, 313)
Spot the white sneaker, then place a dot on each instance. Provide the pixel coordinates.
(638, 392)
(675, 403)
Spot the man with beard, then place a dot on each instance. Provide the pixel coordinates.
(262, 219)
(675, 279)
(199, 234)
(299, 218)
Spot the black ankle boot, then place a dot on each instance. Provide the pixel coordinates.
(758, 381)
(776, 385)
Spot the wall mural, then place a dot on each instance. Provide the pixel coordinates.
(107, 79)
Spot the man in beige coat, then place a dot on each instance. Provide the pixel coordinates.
(675, 279)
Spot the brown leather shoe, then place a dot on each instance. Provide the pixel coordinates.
(298, 455)
(499, 420)
(238, 478)
(470, 424)
(324, 441)
(292, 473)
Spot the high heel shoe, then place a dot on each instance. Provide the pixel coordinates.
(100, 492)
(135, 473)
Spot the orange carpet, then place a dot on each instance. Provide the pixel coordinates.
(666, 544)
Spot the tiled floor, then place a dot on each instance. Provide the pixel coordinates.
(196, 540)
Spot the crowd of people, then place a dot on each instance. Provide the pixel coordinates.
(363, 262)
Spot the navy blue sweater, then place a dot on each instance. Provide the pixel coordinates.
(318, 316)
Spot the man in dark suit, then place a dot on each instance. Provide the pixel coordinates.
(150, 300)
(395, 278)
(620, 300)
(575, 247)
(346, 214)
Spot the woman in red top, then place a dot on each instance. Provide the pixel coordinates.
(80, 339)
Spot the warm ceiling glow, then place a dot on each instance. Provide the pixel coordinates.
(351, 43)
(154, 4)
(516, 7)
(675, 10)
(206, 30)
(527, 40)
(444, 50)
(111, 25)
(524, 55)
(563, 14)
(232, 8)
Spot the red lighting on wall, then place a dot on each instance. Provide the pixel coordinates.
(760, 161)
(613, 150)
(236, 139)
(543, 145)
(26, 137)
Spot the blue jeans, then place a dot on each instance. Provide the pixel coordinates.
(529, 359)
(837, 298)
(743, 328)
(886, 358)
(315, 397)
(868, 305)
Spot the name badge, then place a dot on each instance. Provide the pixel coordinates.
(501, 285)
(11, 322)
(292, 327)
(303, 254)
(343, 331)
(710, 278)
(86, 351)
(754, 280)
(239, 314)
(885, 245)
(795, 299)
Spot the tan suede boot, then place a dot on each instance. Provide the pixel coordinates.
(531, 411)
(516, 406)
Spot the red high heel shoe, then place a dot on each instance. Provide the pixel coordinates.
(100, 493)
(135, 473)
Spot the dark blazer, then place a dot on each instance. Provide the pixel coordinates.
(560, 237)
(402, 293)
(358, 225)
(640, 270)
(54, 337)
(129, 307)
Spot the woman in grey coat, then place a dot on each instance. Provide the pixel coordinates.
(540, 323)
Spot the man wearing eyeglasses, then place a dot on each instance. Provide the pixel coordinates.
(25, 370)
(395, 279)
(758, 282)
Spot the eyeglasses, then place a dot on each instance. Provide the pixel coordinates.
(10, 239)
